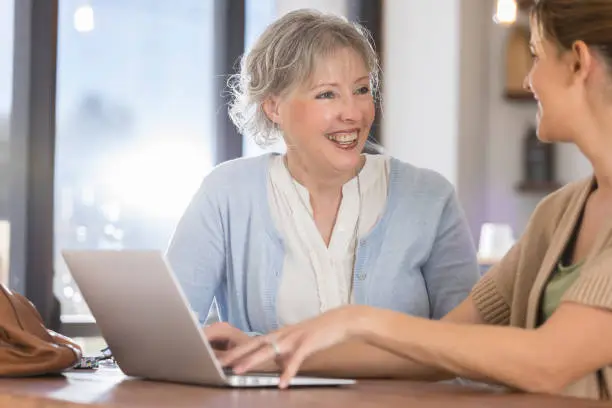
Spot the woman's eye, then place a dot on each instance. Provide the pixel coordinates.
(363, 90)
(325, 95)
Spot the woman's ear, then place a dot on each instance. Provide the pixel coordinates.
(271, 108)
(581, 60)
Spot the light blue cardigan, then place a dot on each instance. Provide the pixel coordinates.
(418, 259)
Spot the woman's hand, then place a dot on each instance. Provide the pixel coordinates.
(291, 345)
(223, 337)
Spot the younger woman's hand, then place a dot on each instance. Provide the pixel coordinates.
(291, 345)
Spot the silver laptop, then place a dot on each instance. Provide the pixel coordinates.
(148, 324)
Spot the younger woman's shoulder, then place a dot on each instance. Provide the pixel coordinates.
(557, 205)
(569, 193)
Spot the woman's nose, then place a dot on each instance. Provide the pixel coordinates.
(527, 83)
(351, 110)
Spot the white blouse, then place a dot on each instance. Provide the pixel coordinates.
(316, 277)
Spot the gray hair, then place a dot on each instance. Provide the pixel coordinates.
(283, 57)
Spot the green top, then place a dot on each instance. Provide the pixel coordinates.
(560, 282)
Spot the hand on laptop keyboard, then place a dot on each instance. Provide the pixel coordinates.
(222, 336)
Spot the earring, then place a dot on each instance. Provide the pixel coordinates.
(277, 129)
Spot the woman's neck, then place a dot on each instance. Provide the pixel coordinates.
(317, 183)
(597, 147)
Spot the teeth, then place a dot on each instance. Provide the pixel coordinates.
(343, 138)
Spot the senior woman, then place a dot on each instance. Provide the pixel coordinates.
(278, 239)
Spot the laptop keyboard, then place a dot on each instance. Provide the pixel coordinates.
(229, 372)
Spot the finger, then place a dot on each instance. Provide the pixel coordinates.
(217, 330)
(281, 362)
(265, 352)
(261, 355)
(286, 343)
(220, 354)
(294, 362)
(218, 338)
(243, 350)
(221, 336)
(220, 344)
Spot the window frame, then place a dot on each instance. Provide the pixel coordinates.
(32, 149)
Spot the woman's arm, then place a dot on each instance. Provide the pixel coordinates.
(572, 343)
(358, 359)
(345, 357)
(197, 250)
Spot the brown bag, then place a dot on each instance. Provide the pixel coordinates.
(27, 347)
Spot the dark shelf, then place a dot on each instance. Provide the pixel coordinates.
(538, 187)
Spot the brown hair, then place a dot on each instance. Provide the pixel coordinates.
(567, 21)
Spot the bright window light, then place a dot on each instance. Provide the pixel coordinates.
(506, 12)
(84, 19)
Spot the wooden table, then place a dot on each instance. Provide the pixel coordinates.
(110, 388)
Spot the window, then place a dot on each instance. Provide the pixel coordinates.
(258, 14)
(7, 16)
(6, 72)
(135, 130)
